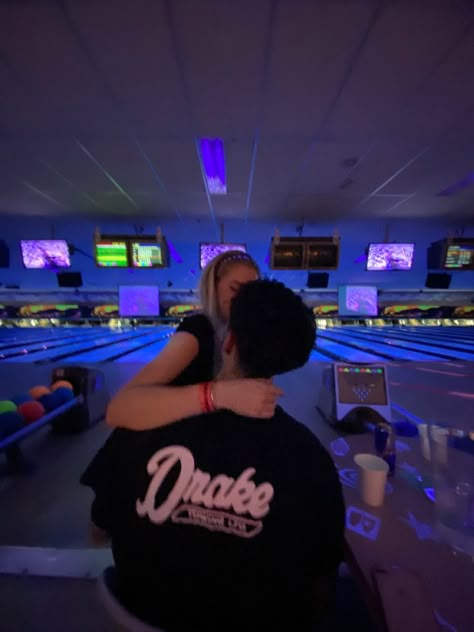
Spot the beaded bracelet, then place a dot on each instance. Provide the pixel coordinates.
(206, 397)
(203, 397)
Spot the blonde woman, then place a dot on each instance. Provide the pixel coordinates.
(169, 388)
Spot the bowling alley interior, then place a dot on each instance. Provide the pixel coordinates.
(331, 141)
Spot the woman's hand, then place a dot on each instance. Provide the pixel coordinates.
(247, 397)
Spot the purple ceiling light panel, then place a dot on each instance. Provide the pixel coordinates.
(213, 159)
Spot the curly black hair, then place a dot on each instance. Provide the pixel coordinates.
(274, 330)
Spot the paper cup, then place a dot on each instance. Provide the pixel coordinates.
(424, 441)
(372, 478)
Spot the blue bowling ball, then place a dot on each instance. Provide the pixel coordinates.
(63, 395)
(50, 402)
(21, 399)
(10, 422)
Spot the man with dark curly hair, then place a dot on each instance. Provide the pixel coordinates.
(221, 522)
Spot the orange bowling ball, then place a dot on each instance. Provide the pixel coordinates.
(62, 384)
(38, 391)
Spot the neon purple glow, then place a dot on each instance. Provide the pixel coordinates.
(339, 447)
(212, 154)
(444, 623)
(365, 524)
(458, 186)
(430, 493)
(401, 446)
(422, 530)
(390, 256)
(174, 253)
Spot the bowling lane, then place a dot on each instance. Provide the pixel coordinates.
(156, 334)
(27, 336)
(51, 355)
(439, 339)
(143, 356)
(42, 345)
(428, 350)
(449, 330)
(317, 356)
(341, 352)
(387, 351)
(455, 334)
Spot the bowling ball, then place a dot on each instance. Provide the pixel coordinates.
(31, 411)
(49, 401)
(10, 422)
(38, 391)
(21, 399)
(63, 394)
(62, 384)
(7, 406)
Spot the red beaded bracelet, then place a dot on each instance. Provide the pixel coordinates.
(203, 397)
(209, 398)
(206, 398)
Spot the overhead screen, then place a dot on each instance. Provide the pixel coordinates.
(41, 254)
(322, 256)
(287, 256)
(209, 250)
(381, 257)
(111, 254)
(146, 254)
(357, 300)
(139, 301)
(131, 252)
(454, 254)
(459, 255)
(304, 253)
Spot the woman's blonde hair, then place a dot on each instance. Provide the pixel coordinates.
(213, 272)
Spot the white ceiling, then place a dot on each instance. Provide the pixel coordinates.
(102, 102)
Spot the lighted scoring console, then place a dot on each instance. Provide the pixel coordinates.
(355, 393)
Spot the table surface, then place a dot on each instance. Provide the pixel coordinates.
(402, 532)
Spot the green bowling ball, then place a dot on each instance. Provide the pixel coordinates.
(6, 406)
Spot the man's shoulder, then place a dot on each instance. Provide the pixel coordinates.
(287, 423)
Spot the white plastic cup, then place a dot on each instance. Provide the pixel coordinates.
(424, 441)
(373, 473)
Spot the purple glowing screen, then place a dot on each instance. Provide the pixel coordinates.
(139, 300)
(210, 250)
(45, 254)
(357, 300)
(390, 257)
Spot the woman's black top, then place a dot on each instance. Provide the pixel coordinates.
(119, 442)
